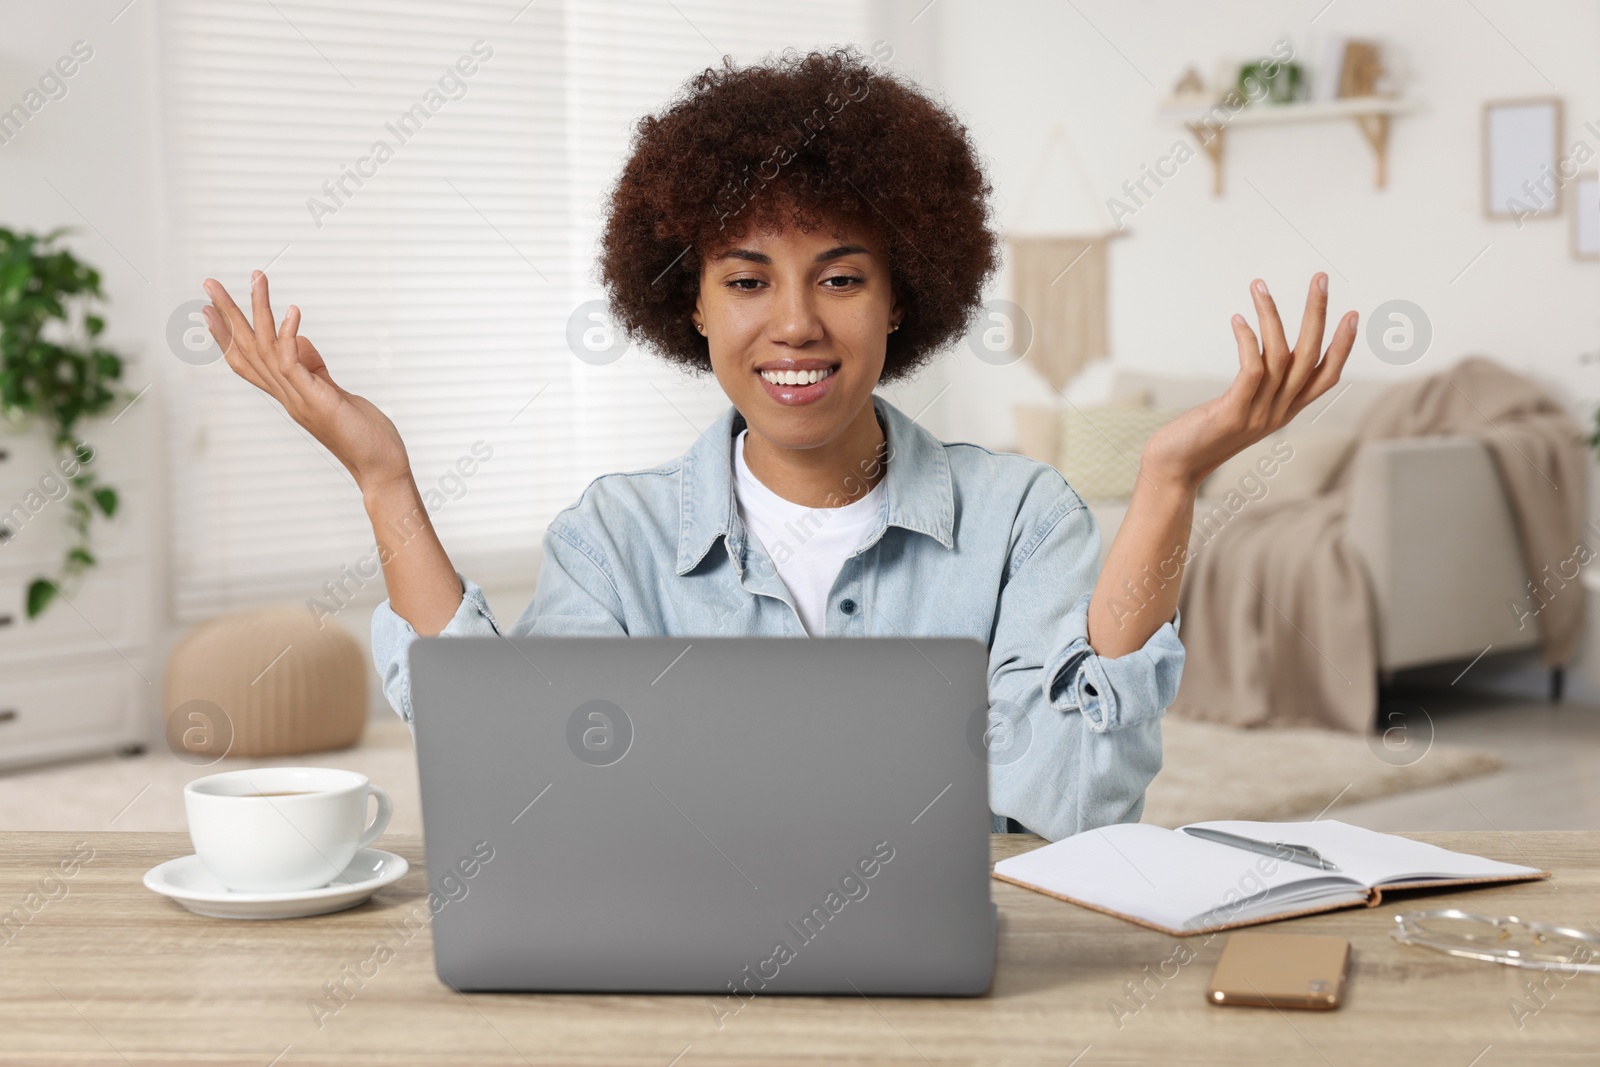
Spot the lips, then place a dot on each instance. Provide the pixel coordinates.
(796, 393)
(791, 374)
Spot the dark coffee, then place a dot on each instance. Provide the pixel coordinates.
(286, 793)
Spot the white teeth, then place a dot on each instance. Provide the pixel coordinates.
(796, 377)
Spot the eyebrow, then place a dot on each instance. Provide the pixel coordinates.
(761, 257)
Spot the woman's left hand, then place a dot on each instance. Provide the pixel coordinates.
(1274, 383)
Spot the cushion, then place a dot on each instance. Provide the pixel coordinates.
(1039, 430)
(1100, 447)
(1292, 464)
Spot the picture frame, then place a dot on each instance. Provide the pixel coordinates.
(1521, 154)
(1586, 217)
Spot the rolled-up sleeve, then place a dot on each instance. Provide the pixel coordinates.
(1115, 692)
(1088, 727)
(574, 596)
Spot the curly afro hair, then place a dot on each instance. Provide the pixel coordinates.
(803, 140)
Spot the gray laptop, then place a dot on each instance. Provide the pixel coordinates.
(741, 816)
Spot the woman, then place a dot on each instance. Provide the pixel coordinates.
(806, 229)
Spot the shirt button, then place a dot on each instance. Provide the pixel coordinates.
(847, 606)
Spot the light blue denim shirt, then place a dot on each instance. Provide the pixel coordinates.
(967, 543)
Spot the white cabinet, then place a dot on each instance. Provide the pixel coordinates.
(78, 679)
(54, 713)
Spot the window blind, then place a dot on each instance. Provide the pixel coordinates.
(424, 180)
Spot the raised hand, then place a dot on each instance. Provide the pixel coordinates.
(1273, 384)
(288, 368)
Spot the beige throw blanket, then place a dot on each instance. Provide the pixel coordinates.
(1277, 613)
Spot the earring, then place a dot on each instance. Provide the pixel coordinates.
(895, 327)
(700, 327)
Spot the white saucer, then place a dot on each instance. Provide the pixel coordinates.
(188, 882)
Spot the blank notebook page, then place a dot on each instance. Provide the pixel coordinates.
(1153, 873)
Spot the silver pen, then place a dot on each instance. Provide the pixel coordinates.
(1303, 854)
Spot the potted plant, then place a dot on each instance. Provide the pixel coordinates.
(53, 370)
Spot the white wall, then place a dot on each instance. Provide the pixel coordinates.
(1015, 69)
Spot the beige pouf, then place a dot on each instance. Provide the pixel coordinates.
(269, 682)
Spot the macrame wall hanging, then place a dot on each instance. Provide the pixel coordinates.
(1060, 281)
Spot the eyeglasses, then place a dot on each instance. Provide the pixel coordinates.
(1509, 940)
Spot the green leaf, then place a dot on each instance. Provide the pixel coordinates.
(40, 593)
(81, 555)
(52, 371)
(15, 277)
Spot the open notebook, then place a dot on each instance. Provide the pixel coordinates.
(1182, 885)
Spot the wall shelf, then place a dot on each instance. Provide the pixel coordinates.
(1371, 114)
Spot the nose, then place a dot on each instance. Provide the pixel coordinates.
(794, 321)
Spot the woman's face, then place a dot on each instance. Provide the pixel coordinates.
(781, 309)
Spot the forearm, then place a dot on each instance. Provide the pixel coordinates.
(421, 580)
(1138, 586)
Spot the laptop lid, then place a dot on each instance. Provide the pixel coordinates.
(734, 815)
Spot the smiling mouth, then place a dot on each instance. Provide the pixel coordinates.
(796, 377)
(793, 387)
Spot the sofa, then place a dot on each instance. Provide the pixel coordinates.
(1427, 516)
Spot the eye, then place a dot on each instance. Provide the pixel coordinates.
(848, 280)
(743, 284)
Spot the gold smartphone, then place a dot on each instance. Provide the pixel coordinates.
(1281, 971)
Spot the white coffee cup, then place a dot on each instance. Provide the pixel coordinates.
(280, 829)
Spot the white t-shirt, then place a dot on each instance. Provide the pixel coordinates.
(807, 545)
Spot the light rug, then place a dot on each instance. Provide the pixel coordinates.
(146, 792)
(1214, 771)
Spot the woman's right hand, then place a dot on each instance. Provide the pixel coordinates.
(288, 368)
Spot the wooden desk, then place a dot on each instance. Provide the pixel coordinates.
(110, 973)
